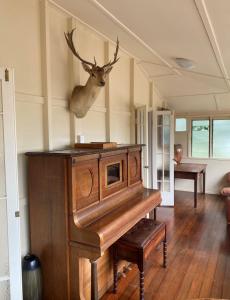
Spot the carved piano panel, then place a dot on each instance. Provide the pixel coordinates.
(134, 163)
(81, 202)
(85, 187)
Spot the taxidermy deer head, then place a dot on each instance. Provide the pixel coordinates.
(83, 97)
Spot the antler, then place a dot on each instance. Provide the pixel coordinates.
(69, 40)
(109, 64)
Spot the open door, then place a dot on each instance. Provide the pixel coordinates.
(161, 125)
(10, 254)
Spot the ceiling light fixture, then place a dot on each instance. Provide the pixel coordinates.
(184, 63)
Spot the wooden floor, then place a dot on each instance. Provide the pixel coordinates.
(198, 254)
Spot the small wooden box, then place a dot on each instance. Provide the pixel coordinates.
(96, 145)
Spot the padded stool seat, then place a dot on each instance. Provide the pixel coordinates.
(136, 246)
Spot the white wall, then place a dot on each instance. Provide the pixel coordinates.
(45, 71)
(216, 168)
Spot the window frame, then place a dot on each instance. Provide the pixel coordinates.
(211, 146)
(189, 134)
(209, 136)
(187, 126)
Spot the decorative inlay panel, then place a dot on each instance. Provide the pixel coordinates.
(85, 183)
(134, 167)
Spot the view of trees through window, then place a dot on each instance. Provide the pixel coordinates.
(200, 138)
(221, 138)
(210, 143)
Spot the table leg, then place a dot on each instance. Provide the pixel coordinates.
(204, 175)
(94, 285)
(195, 191)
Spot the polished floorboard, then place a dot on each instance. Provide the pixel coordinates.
(198, 254)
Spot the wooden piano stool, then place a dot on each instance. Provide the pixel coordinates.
(136, 246)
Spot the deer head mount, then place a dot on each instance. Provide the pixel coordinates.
(83, 97)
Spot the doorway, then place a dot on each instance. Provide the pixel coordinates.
(10, 262)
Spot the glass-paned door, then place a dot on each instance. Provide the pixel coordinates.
(162, 155)
(10, 260)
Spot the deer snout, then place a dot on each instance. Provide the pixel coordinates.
(102, 83)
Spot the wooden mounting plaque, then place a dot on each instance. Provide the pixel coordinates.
(96, 145)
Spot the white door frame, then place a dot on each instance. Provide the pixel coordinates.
(11, 177)
(167, 197)
(142, 138)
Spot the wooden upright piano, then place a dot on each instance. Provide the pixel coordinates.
(80, 202)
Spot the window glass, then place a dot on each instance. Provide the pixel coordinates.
(200, 138)
(221, 138)
(181, 124)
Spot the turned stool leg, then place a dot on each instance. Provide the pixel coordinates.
(142, 275)
(115, 274)
(142, 287)
(165, 254)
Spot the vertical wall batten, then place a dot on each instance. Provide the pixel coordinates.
(46, 64)
(132, 106)
(74, 70)
(107, 97)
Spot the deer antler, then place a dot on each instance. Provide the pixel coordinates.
(109, 64)
(69, 40)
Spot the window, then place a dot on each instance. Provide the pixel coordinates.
(200, 138)
(181, 124)
(221, 138)
(210, 138)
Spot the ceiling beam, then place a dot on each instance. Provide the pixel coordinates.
(216, 102)
(209, 29)
(134, 35)
(198, 94)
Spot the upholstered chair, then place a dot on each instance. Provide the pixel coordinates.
(225, 191)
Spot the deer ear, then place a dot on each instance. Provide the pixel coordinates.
(86, 68)
(108, 70)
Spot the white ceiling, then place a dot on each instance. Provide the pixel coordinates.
(156, 31)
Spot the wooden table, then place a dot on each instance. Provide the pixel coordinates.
(191, 171)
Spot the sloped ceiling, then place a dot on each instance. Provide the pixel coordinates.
(157, 31)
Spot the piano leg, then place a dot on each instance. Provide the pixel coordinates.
(94, 285)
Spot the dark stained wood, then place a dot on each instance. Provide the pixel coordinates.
(117, 186)
(134, 166)
(191, 171)
(74, 215)
(199, 255)
(95, 145)
(136, 246)
(94, 282)
(85, 187)
(83, 152)
(48, 224)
